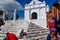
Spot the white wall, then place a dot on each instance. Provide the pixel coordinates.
(40, 9)
(26, 15)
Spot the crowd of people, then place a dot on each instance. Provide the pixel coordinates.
(54, 28)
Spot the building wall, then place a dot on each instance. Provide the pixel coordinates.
(40, 9)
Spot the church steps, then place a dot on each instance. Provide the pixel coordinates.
(39, 34)
(34, 35)
(35, 32)
(2, 32)
(1, 38)
(37, 37)
(2, 35)
(13, 27)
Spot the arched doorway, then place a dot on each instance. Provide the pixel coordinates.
(34, 15)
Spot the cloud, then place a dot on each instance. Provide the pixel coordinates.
(10, 4)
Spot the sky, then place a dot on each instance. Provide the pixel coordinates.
(10, 5)
(24, 2)
(20, 4)
(49, 2)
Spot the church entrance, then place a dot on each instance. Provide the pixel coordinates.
(34, 15)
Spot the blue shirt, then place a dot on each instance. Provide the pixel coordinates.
(49, 37)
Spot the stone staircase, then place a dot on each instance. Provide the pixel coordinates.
(2, 35)
(13, 27)
(36, 32)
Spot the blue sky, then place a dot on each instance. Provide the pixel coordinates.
(23, 2)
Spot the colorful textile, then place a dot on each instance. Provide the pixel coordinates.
(53, 29)
(51, 24)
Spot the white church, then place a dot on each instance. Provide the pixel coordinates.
(34, 12)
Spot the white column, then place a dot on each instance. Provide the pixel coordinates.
(3, 15)
(47, 9)
(15, 14)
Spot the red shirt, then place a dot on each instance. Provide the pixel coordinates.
(11, 37)
(51, 24)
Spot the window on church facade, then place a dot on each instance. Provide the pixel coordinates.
(34, 15)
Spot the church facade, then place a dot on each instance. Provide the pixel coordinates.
(35, 12)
